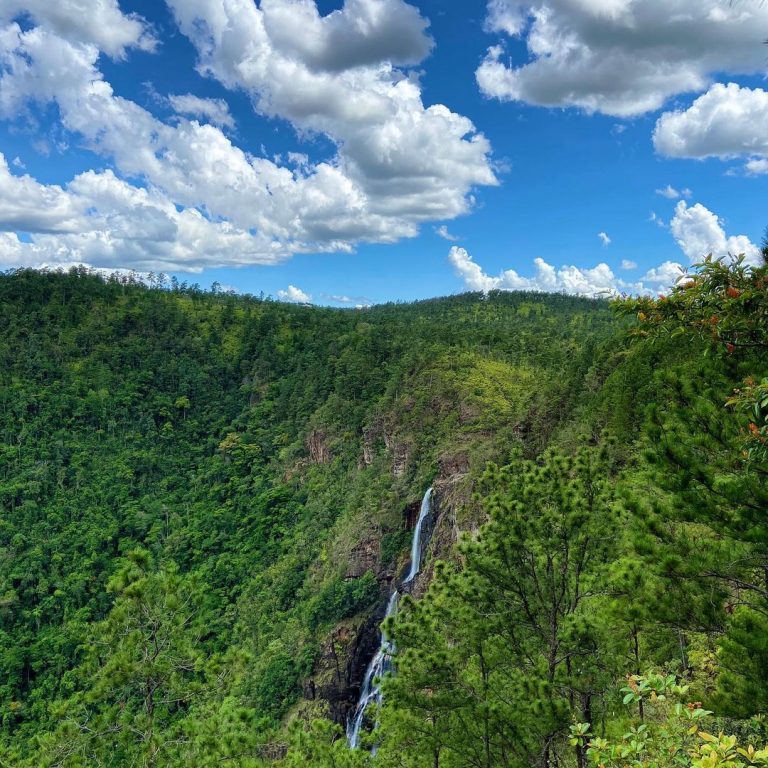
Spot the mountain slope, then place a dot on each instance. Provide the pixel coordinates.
(207, 500)
(240, 470)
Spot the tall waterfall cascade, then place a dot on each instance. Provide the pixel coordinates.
(381, 663)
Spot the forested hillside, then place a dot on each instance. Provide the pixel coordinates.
(207, 498)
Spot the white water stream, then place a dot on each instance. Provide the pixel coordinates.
(381, 663)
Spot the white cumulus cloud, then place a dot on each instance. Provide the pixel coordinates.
(504, 16)
(357, 301)
(604, 239)
(442, 231)
(398, 163)
(756, 166)
(215, 111)
(103, 221)
(620, 57)
(727, 121)
(362, 33)
(661, 278)
(98, 22)
(294, 295)
(700, 232)
(595, 281)
(697, 231)
(673, 194)
(407, 162)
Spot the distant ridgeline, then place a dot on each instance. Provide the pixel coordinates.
(208, 499)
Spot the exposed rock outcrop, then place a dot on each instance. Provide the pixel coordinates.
(411, 515)
(401, 450)
(342, 664)
(372, 439)
(365, 557)
(400, 457)
(347, 652)
(317, 445)
(452, 467)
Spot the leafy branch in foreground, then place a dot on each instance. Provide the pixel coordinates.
(752, 399)
(722, 301)
(667, 735)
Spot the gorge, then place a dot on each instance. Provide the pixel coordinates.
(370, 691)
(208, 500)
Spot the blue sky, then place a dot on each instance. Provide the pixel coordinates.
(378, 150)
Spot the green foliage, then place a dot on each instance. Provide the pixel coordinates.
(202, 502)
(752, 399)
(721, 300)
(199, 458)
(491, 662)
(668, 733)
(707, 445)
(743, 657)
(340, 599)
(145, 665)
(322, 745)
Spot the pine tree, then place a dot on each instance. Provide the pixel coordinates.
(706, 442)
(501, 653)
(144, 668)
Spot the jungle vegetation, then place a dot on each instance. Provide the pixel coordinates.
(186, 476)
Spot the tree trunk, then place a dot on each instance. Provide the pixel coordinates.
(636, 648)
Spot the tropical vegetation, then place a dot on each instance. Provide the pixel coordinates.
(204, 502)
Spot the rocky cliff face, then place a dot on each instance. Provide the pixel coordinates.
(398, 442)
(341, 666)
(317, 447)
(452, 492)
(348, 650)
(365, 558)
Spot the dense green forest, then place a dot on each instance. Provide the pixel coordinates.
(207, 498)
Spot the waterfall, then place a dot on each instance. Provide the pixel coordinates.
(426, 504)
(381, 663)
(371, 691)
